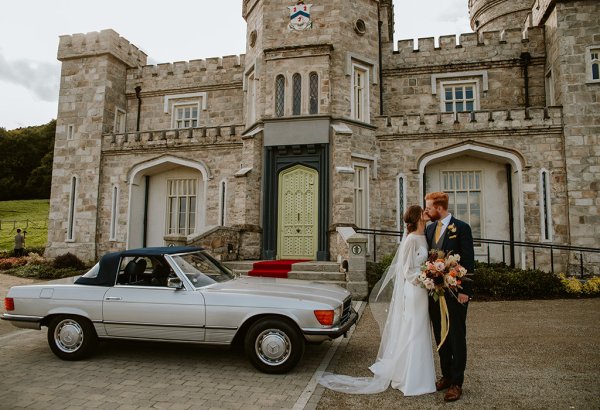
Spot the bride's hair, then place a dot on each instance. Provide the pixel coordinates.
(412, 216)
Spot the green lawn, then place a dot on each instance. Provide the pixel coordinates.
(34, 211)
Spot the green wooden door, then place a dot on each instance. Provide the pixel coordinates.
(298, 213)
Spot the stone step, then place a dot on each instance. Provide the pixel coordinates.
(317, 276)
(239, 267)
(332, 282)
(316, 266)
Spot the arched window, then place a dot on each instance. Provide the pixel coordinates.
(114, 213)
(279, 96)
(545, 208)
(313, 93)
(296, 94)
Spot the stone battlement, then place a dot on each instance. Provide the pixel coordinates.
(214, 64)
(491, 45)
(470, 121)
(98, 43)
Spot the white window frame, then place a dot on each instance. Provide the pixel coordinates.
(251, 97)
(366, 203)
(481, 195)
(364, 102)
(123, 124)
(71, 215)
(114, 213)
(545, 204)
(464, 83)
(70, 132)
(189, 229)
(180, 105)
(588, 62)
(401, 192)
(222, 203)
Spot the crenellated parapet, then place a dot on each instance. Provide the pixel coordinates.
(488, 46)
(98, 43)
(511, 121)
(209, 71)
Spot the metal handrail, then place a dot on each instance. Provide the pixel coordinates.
(504, 243)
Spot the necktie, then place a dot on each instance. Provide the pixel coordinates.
(438, 231)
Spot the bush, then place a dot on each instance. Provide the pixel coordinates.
(11, 262)
(376, 270)
(40, 250)
(572, 286)
(68, 260)
(42, 272)
(502, 282)
(592, 287)
(35, 259)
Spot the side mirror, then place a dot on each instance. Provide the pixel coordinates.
(174, 283)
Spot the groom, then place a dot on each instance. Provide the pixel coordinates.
(450, 235)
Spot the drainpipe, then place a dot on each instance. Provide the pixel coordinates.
(138, 90)
(380, 25)
(525, 61)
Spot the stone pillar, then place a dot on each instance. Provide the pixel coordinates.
(357, 267)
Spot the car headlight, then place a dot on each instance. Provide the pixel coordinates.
(338, 314)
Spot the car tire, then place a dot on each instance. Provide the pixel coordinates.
(282, 338)
(72, 337)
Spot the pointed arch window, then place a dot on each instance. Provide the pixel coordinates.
(593, 64)
(279, 96)
(545, 208)
(313, 93)
(114, 210)
(296, 94)
(71, 221)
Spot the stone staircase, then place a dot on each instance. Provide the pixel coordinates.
(314, 271)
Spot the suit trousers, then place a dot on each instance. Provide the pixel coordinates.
(453, 353)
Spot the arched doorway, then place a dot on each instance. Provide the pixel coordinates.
(166, 199)
(298, 213)
(485, 189)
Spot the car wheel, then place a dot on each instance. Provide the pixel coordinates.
(71, 337)
(274, 345)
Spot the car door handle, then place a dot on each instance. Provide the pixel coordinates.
(113, 298)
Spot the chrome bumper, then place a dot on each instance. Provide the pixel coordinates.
(26, 322)
(334, 332)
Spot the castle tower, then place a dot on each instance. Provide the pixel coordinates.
(491, 15)
(312, 84)
(91, 102)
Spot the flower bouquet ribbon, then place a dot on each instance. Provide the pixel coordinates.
(445, 321)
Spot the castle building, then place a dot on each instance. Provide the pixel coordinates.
(325, 123)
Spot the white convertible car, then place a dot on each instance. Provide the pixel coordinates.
(182, 294)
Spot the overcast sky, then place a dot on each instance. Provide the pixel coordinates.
(167, 31)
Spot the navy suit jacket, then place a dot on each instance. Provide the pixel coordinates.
(458, 242)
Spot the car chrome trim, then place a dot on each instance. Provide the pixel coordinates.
(147, 339)
(334, 331)
(21, 318)
(221, 327)
(152, 324)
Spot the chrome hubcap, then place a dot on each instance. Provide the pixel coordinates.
(68, 336)
(273, 347)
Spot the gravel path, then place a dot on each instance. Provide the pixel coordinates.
(522, 354)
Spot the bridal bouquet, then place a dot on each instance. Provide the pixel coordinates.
(441, 271)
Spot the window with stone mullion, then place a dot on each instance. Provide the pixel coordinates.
(279, 96)
(296, 94)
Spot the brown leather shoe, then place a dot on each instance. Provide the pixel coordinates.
(442, 384)
(453, 393)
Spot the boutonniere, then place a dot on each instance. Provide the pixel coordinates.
(452, 228)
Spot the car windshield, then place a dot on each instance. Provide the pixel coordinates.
(201, 269)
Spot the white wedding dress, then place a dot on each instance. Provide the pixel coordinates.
(405, 357)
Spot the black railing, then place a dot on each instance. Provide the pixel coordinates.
(505, 244)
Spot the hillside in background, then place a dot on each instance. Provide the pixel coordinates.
(26, 162)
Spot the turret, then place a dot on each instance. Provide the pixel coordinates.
(491, 15)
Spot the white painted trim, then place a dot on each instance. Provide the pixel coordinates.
(344, 170)
(588, 63)
(352, 58)
(201, 96)
(222, 203)
(476, 93)
(174, 108)
(459, 74)
(133, 174)
(117, 112)
(548, 208)
(114, 213)
(366, 190)
(366, 103)
(514, 160)
(368, 158)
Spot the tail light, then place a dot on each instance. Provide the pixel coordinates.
(9, 304)
(325, 317)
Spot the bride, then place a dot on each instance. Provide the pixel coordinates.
(405, 357)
